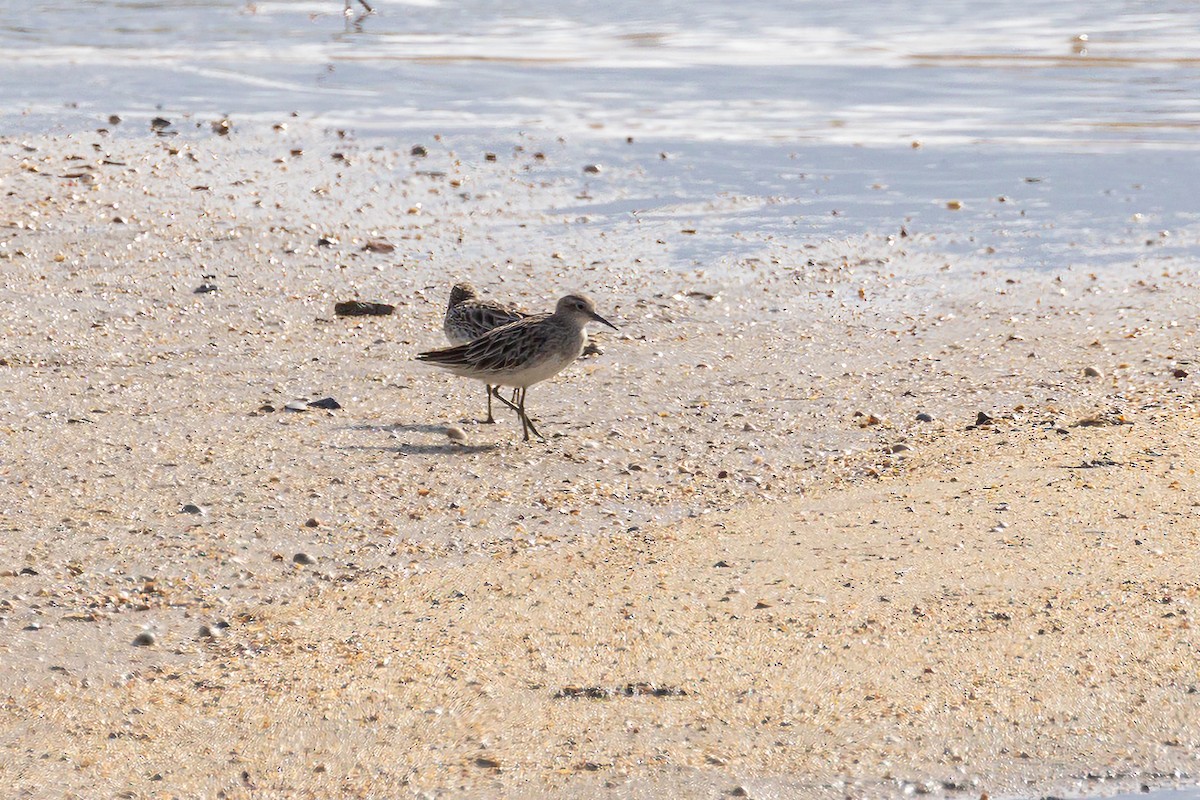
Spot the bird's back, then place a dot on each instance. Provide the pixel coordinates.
(471, 319)
(521, 353)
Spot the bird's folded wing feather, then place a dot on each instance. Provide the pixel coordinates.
(502, 349)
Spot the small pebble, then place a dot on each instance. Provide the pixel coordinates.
(327, 403)
(303, 558)
(1092, 372)
(205, 288)
(207, 632)
(1179, 373)
(419, 151)
(899, 448)
(592, 169)
(312, 523)
(297, 405)
(191, 508)
(145, 639)
(923, 417)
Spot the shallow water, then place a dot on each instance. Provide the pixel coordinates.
(802, 115)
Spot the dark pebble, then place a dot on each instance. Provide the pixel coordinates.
(191, 508)
(419, 151)
(145, 639)
(327, 403)
(1180, 373)
(205, 288)
(360, 308)
(303, 558)
(923, 417)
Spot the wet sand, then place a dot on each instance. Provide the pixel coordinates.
(741, 559)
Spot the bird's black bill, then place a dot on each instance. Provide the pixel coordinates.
(599, 318)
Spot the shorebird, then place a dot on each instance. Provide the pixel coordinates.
(523, 353)
(468, 317)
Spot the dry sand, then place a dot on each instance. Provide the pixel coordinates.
(739, 563)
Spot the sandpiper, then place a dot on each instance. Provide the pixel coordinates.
(523, 353)
(468, 317)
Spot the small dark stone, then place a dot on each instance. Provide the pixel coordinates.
(361, 308)
(303, 558)
(923, 417)
(1180, 373)
(327, 403)
(982, 419)
(722, 564)
(145, 639)
(205, 288)
(419, 151)
(723, 474)
(28, 571)
(592, 169)
(159, 123)
(191, 508)
(312, 523)
(379, 246)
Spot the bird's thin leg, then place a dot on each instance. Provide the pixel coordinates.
(498, 396)
(526, 420)
(366, 6)
(490, 419)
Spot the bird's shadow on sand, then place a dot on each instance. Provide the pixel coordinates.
(444, 447)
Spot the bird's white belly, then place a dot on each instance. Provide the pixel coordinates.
(536, 372)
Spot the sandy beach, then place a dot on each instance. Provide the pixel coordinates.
(827, 518)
